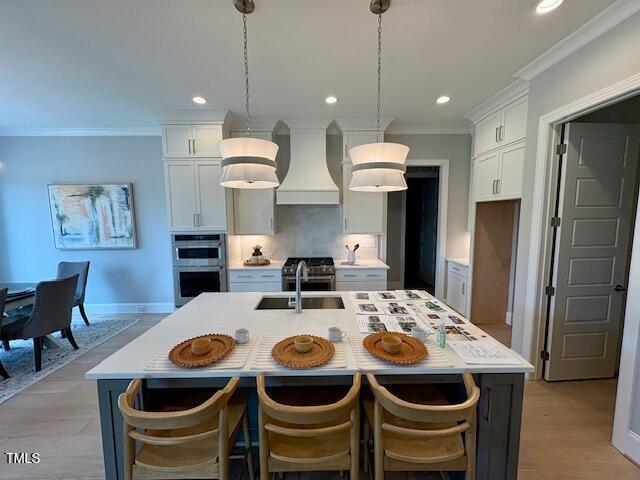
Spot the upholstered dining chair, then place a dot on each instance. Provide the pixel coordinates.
(309, 429)
(68, 269)
(3, 299)
(416, 429)
(187, 443)
(51, 312)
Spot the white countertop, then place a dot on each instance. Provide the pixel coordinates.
(371, 263)
(225, 312)
(460, 261)
(274, 265)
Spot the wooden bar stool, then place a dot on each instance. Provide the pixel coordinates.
(423, 436)
(312, 437)
(191, 443)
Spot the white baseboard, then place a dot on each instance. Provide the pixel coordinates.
(509, 318)
(110, 308)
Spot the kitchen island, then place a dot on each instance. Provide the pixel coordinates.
(501, 386)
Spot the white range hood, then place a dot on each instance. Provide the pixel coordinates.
(308, 181)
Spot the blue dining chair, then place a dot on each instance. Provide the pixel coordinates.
(68, 269)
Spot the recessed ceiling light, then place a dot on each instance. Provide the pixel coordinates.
(331, 100)
(199, 100)
(545, 6)
(443, 99)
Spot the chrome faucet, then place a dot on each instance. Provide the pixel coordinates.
(301, 271)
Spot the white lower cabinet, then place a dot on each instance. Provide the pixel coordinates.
(457, 281)
(361, 279)
(246, 280)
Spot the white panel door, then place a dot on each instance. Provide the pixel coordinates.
(487, 133)
(211, 196)
(362, 212)
(597, 200)
(253, 211)
(176, 141)
(486, 173)
(514, 121)
(511, 171)
(180, 192)
(206, 139)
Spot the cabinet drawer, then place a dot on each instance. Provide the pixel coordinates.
(255, 287)
(366, 275)
(458, 269)
(267, 276)
(364, 286)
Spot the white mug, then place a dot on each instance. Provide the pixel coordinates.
(419, 333)
(242, 335)
(336, 335)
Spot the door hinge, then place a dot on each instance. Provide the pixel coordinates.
(549, 291)
(544, 355)
(555, 221)
(561, 149)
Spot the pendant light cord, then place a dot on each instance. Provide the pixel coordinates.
(379, 75)
(246, 74)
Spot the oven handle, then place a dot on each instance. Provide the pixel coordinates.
(314, 279)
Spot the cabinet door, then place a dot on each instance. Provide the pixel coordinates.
(486, 171)
(206, 139)
(176, 141)
(456, 293)
(514, 121)
(254, 211)
(361, 286)
(362, 212)
(511, 171)
(180, 192)
(353, 139)
(211, 196)
(487, 132)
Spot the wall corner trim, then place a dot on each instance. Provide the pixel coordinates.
(611, 16)
(514, 90)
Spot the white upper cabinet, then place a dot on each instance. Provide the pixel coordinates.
(200, 141)
(502, 127)
(498, 175)
(254, 209)
(487, 133)
(195, 199)
(362, 212)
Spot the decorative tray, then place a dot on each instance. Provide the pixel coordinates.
(286, 355)
(182, 355)
(247, 263)
(411, 350)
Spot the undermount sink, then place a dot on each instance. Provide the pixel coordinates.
(308, 303)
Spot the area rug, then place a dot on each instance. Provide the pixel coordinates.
(19, 361)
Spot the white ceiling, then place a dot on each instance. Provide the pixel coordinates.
(122, 63)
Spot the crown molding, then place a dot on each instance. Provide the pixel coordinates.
(454, 129)
(81, 132)
(238, 123)
(515, 89)
(194, 116)
(611, 16)
(362, 123)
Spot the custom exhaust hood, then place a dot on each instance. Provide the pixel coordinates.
(308, 181)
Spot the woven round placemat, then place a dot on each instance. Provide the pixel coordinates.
(411, 350)
(286, 355)
(182, 355)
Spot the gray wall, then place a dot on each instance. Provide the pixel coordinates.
(605, 61)
(27, 253)
(456, 148)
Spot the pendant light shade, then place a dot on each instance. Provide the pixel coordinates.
(248, 163)
(378, 167)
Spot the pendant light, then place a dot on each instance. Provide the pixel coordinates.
(248, 162)
(380, 166)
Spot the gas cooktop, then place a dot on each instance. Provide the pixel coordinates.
(316, 265)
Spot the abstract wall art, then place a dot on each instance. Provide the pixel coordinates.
(92, 216)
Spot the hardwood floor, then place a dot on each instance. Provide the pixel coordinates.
(566, 426)
(501, 332)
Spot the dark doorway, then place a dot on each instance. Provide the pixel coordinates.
(421, 228)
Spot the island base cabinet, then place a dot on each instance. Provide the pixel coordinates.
(499, 418)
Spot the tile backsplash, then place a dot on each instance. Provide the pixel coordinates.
(307, 230)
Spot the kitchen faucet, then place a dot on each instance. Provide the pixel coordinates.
(301, 271)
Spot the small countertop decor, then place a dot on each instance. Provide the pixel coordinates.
(285, 353)
(190, 353)
(411, 350)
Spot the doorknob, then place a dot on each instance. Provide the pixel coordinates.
(620, 288)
